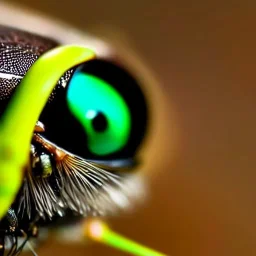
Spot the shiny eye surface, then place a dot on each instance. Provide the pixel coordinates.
(100, 114)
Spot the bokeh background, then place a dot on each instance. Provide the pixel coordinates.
(202, 165)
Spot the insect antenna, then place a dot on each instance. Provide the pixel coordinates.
(20, 248)
(13, 243)
(31, 248)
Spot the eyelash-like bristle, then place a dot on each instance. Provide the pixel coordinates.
(84, 188)
(37, 192)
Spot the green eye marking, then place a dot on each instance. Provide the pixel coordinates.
(102, 112)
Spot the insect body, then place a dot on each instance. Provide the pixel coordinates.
(84, 143)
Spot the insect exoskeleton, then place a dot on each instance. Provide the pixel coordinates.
(83, 150)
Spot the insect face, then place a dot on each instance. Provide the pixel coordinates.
(84, 143)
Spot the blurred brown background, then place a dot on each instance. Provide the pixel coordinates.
(203, 190)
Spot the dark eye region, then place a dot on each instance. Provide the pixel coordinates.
(101, 113)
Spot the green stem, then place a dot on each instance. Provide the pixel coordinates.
(113, 239)
(18, 122)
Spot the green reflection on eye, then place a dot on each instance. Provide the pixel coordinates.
(102, 112)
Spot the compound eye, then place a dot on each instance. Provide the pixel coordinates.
(102, 112)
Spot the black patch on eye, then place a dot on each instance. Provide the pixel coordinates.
(100, 122)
